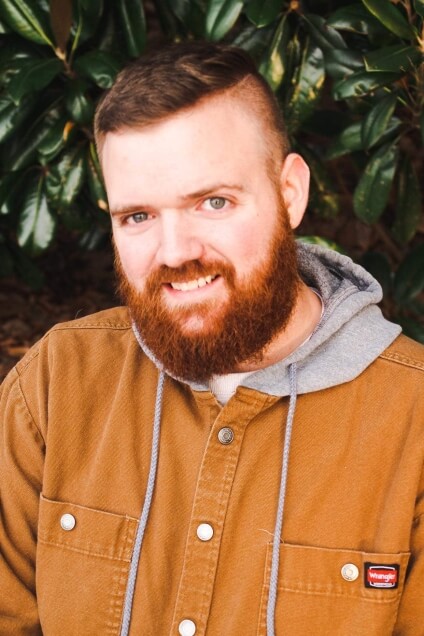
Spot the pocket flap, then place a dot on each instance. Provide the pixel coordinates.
(87, 530)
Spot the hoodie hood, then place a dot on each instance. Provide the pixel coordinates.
(352, 332)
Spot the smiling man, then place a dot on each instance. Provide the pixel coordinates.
(238, 450)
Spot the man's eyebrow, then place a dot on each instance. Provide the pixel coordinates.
(216, 187)
(119, 210)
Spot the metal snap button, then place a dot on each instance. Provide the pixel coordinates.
(205, 532)
(350, 572)
(226, 435)
(187, 627)
(67, 521)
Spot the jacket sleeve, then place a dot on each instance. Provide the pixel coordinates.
(410, 619)
(21, 469)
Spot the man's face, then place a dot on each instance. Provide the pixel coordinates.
(205, 253)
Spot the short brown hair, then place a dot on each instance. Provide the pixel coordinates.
(178, 76)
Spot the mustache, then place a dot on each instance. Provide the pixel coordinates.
(189, 271)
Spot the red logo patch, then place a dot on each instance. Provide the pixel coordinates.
(381, 576)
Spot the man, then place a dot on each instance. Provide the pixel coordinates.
(240, 451)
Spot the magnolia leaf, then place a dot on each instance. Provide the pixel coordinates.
(323, 35)
(375, 124)
(79, 106)
(362, 83)
(27, 19)
(221, 16)
(66, 178)
(408, 203)
(133, 23)
(378, 265)
(36, 223)
(389, 15)
(99, 66)
(419, 7)
(354, 18)
(273, 65)
(409, 278)
(307, 88)
(393, 58)
(33, 76)
(372, 192)
(263, 12)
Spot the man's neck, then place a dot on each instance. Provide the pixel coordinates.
(304, 320)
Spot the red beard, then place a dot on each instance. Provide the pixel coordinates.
(231, 332)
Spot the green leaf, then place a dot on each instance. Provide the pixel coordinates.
(342, 62)
(253, 40)
(408, 205)
(421, 119)
(393, 58)
(95, 181)
(390, 16)
(86, 18)
(33, 76)
(419, 7)
(320, 240)
(66, 178)
(409, 278)
(133, 23)
(26, 151)
(99, 66)
(372, 192)
(79, 106)
(28, 20)
(11, 117)
(273, 64)
(323, 35)
(354, 18)
(263, 12)
(378, 265)
(36, 222)
(307, 88)
(10, 192)
(54, 141)
(412, 328)
(350, 139)
(6, 261)
(323, 198)
(374, 126)
(221, 16)
(363, 83)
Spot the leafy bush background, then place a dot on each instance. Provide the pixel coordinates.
(350, 79)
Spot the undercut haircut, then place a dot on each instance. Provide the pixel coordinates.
(179, 76)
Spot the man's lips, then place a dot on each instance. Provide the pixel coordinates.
(192, 285)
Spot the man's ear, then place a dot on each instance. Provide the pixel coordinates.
(294, 183)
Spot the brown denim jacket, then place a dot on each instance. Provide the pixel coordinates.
(76, 432)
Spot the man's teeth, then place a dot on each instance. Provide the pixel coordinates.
(193, 284)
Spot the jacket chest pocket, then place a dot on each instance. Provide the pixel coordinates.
(83, 559)
(339, 592)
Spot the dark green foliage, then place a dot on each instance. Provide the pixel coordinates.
(349, 77)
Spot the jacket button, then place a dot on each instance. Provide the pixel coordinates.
(350, 572)
(204, 532)
(226, 435)
(187, 628)
(67, 521)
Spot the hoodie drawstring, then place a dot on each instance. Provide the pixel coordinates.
(129, 594)
(272, 599)
(275, 563)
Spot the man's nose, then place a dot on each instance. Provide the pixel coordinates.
(179, 241)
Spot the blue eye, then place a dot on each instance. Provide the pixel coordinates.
(217, 203)
(138, 217)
